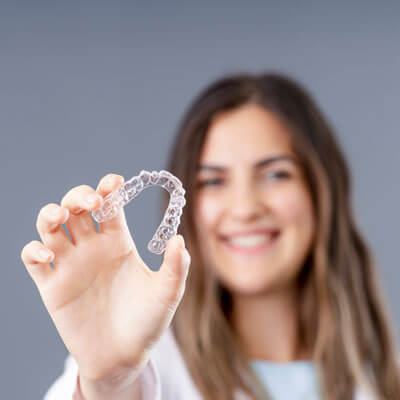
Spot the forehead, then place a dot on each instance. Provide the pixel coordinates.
(243, 136)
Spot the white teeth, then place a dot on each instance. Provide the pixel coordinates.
(250, 240)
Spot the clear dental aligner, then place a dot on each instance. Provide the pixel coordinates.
(130, 189)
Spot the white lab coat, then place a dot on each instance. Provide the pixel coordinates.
(165, 376)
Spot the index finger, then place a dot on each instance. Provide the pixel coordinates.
(108, 184)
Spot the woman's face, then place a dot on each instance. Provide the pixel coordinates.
(253, 210)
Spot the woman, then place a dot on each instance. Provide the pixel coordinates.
(281, 300)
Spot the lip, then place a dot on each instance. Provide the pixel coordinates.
(254, 250)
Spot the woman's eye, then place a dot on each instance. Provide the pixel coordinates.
(209, 182)
(279, 174)
(273, 174)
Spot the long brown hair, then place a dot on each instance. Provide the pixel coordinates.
(347, 331)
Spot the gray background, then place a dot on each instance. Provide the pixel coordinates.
(88, 88)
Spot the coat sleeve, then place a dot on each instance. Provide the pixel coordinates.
(66, 386)
(165, 376)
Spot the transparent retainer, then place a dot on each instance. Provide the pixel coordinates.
(130, 189)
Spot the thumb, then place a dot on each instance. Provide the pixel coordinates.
(174, 270)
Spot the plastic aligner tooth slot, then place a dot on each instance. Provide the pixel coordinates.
(130, 189)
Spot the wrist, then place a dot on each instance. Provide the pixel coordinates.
(124, 385)
(96, 390)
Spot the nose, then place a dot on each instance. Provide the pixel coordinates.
(245, 202)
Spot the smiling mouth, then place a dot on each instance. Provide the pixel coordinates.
(251, 243)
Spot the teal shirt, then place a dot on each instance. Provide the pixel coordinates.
(296, 380)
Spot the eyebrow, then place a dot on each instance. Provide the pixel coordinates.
(262, 163)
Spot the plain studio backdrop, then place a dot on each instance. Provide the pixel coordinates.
(92, 87)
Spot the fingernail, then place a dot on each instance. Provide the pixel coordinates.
(182, 240)
(185, 258)
(44, 255)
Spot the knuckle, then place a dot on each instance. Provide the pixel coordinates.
(169, 302)
(65, 198)
(84, 188)
(170, 298)
(74, 193)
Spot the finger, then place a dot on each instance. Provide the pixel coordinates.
(49, 226)
(173, 271)
(80, 201)
(106, 185)
(37, 258)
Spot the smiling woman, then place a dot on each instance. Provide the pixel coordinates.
(279, 271)
(257, 223)
(281, 300)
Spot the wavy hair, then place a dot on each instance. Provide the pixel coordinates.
(344, 321)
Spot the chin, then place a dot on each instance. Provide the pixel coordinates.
(250, 285)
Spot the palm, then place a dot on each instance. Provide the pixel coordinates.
(104, 298)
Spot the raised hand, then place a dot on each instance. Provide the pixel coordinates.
(107, 305)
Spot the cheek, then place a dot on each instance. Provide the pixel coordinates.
(293, 205)
(207, 211)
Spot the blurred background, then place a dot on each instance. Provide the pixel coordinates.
(93, 87)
